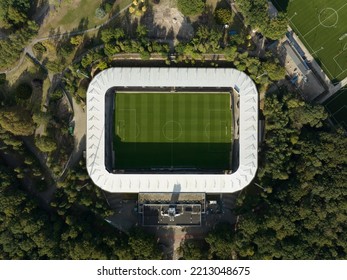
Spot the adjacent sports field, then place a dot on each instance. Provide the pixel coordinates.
(321, 26)
(173, 130)
(337, 107)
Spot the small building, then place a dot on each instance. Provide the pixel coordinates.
(302, 67)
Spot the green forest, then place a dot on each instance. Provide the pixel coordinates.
(30, 231)
(296, 208)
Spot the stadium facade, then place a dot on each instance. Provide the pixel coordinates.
(99, 122)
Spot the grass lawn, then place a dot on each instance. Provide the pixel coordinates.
(78, 15)
(321, 25)
(188, 130)
(337, 107)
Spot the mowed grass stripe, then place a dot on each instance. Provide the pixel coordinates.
(143, 117)
(200, 118)
(207, 103)
(131, 113)
(119, 115)
(156, 126)
(187, 116)
(177, 118)
(150, 119)
(168, 126)
(194, 117)
(181, 110)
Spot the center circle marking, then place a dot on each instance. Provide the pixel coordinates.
(172, 130)
(328, 17)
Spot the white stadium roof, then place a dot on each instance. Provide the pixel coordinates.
(172, 77)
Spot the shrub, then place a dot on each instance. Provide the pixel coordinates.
(41, 118)
(40, 48)
(82, 93)
(56, 94)
(45, 144)
(223, 16)
(100, 12)
(54, 66)
(17, 120)
(108, 7)
(145, 55)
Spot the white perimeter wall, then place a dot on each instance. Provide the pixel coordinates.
(172, 77)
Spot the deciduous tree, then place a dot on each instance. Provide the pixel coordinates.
(17, 121)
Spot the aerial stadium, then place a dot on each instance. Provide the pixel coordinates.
(172, 130)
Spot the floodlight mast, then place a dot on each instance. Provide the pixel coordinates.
(172, 77)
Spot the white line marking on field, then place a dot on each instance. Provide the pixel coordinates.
(321, 48)
(311, 48)
(293, 16)
(320, 24)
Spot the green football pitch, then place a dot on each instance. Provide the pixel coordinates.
(173, 130)
(337, 107)
(321, 26)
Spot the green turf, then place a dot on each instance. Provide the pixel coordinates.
(180, 130)
(337, 107)
(320, 24)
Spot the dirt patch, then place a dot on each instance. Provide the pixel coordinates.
(165, 21)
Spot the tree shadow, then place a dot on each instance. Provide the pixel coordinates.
(82, 25)
(40, 9)
(223, 4)
(281, 5)
(4, 88)
(186, 32)
(53, 32)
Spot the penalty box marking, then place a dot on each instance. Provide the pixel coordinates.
(344, 107)
(309, 47)
(124, 124)
(312, 51)
(335, 59)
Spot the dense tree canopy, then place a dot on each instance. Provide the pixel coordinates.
(276, 28)
(298, 207)
(12, 46)
(116, 41)
(193, 250)
(306, 216)
(305, 165)
(17, 121)
(223, 15)
(143, 246)
(256, 14)
(45, 144)
(29, 232)
(14, 12)
(220, 242)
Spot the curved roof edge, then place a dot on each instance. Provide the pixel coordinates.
(178, 77)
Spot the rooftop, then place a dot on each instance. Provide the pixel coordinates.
(300, 63)
(174, 77)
